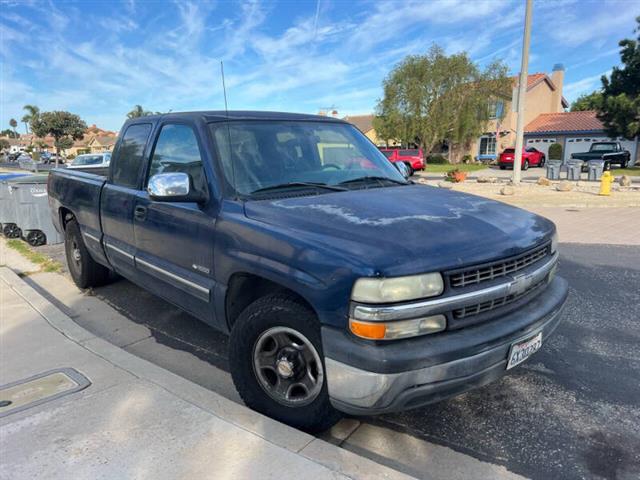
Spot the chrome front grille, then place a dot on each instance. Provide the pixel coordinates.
(472, 310)
(475, 275)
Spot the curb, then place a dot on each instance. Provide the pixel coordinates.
(334, 458)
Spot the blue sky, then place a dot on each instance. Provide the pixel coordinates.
(99, 58)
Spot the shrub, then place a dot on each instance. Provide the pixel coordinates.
(555, 152)
(437, 159)
(455, 176)
(467, 159)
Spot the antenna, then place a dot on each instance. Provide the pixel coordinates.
(226, 112)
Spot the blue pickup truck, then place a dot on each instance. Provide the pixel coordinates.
(343, 286)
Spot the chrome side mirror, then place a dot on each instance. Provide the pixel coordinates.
(173, 187)
(403, 169)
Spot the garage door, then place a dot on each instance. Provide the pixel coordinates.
(582, 144)
(541, 144)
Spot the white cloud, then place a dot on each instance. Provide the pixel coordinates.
(585, 85)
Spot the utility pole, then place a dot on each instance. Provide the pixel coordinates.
(522, 89)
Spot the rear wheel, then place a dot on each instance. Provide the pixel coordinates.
(525, 166)
(503, 167)
(275, 354)
(624, 164)
(84, 270)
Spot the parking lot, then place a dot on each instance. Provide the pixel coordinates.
(572, 411)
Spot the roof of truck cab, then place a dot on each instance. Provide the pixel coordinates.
(221, 116)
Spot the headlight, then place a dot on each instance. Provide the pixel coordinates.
(398, 329)
(554, 242)
(398, 289)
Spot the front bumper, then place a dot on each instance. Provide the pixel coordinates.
(369, 378)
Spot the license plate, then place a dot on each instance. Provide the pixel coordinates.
(523, 349)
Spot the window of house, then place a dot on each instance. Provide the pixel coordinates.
(130, 153)
(487, 146)
(496, 108)
(177, 151)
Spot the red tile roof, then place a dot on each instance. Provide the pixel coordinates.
(565, 122)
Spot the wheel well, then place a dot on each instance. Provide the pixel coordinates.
(65, 216)
(245, 288)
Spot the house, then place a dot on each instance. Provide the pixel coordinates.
(104, 143)
(364, 123)
(575, 131)
(543, 95)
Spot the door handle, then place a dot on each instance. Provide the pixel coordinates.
(140, 212)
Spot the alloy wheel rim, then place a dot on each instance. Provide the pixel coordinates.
(287, 366)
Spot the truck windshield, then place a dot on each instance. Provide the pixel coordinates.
(259, 156)
(602, 147)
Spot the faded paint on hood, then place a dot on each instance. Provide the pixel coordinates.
(406, 229)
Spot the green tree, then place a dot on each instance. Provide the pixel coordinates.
(620, 110)
(138, 111)
(31, 116)
(13, 124)
(433, 98)
(588, 101)
(59, 125)
(7, 132)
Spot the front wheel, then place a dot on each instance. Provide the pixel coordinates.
(624, 164)
(525, 166)
(276, 361)
(36, 238)
(503, 167)
(84, 270)
(543, 160)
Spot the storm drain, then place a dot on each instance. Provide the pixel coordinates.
(39, 389)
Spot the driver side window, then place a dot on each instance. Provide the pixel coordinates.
(177, 151)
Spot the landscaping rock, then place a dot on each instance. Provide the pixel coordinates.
(447, 185)
(507, 190)
(624, 181)
(484, 180)
(544, 181)
(564, 186)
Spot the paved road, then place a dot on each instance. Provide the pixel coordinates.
(572, 411)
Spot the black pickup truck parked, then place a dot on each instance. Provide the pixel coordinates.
(610, 152)
(342, 286)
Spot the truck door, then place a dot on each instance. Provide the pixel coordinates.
(118, 195)
(174, 240)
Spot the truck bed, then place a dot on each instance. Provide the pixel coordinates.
(80, 189)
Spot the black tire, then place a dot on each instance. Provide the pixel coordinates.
(11, 230)
(624, 164)
(410, 168)
(503, 167)
(543, 160)
(272, 312)
(84, 270)
(526, 165)
(36, 238)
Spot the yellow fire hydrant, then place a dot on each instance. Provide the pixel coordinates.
(605, 183)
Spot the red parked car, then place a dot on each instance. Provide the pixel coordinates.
(412, 157)
(530, 158)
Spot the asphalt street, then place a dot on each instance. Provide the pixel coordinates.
(572, 411)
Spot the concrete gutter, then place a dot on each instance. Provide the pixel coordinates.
(309, 453)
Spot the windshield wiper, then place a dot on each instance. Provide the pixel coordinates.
(374, 178)
(283, 186)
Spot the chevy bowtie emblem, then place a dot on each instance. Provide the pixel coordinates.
(520, 284)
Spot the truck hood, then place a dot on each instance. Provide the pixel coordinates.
(405, 230)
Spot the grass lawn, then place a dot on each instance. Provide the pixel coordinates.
(631, 171)
(45, 263)
(436, 168)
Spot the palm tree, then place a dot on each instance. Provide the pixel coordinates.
(32, 114)
(138, 111)
(13, 124)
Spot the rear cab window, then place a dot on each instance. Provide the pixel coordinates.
(126, 169)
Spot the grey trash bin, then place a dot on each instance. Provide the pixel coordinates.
(574, 169)
(596, 167)
(8, 210)
(553, 170)
(34, 218)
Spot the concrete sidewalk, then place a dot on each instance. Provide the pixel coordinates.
(135, 419)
